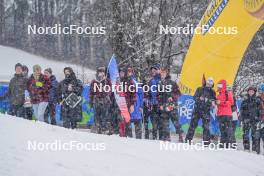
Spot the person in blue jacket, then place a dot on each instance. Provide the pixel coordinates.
(155, 113)
(134, 99)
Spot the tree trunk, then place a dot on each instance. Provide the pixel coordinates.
(117, 31)
(2, 21)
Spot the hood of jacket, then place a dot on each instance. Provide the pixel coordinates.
(223, 82)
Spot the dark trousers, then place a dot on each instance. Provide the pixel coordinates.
(146, 121)
(102, 118)
(233, 136)
(115, 120)
(175, 121)
(194, 123)
(28, 113)
(226, 130)
(16, 110)
(165, 126)
(259, 135)
(247, 126)
(50, 112)
(128, 130)
(155, 121)
(69, 118)
(138, 128)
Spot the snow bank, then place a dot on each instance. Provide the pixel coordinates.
(10, 56)
(121, 156)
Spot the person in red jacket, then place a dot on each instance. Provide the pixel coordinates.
(224, 102)
(38, 87)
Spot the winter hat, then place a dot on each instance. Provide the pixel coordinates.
(129, 68)
(18, 65)
(155, 66)
(261, 87)
(49, 70)
(100, 69)
(210, 81)
(25, 68)
(121, 69)
(36, 67)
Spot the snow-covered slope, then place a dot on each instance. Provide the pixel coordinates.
(10, 56)
(121, 157)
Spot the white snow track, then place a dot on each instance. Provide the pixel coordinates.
(121, 157)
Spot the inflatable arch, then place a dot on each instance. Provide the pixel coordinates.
(220, 41)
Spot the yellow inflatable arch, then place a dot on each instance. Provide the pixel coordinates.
(220, 41)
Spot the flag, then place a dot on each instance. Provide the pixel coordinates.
(115, 80)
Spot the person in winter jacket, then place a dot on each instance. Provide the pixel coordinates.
(250, 116)
(224, 104)
(70, 85)
(234, 117)
(16, 92)
(155, 112)
(260, 127)
(38, 87)
(28, 111)
(134, 99)
(51, 109)
(25, 71)
(100, 100)
(168, 102)
(262, 100)
(204, 98)
(234, 121)
(146, 107)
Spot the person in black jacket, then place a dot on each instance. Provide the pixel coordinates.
(250, 116)
(168, 102)
(70, 116)
(204, 98)
(16, 92)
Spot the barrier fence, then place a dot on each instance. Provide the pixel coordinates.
(186, 105)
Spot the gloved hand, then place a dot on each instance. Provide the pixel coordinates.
(70, 87)
(257, 118)
(39, 84)
(260, 125)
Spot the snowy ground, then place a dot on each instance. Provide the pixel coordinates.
(121, 156)
(10, 56)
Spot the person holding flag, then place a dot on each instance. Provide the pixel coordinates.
(100, 100)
